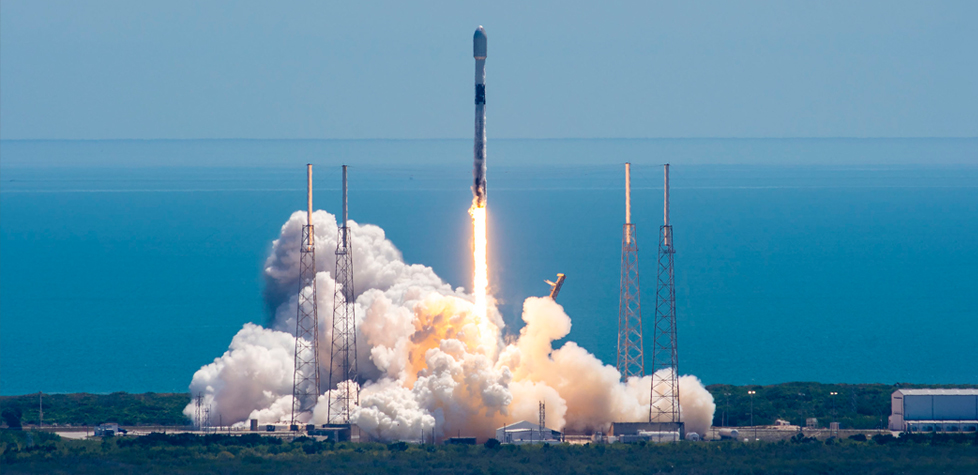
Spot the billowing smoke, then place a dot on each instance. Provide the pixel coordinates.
(428, 362)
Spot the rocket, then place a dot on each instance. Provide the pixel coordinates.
(479, 43)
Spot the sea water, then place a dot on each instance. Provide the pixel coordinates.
(126, 265)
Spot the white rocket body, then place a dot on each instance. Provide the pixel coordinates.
(479, 46)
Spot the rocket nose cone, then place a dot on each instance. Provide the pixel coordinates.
(479, 43)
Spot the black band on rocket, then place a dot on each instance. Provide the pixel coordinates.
(480, 93)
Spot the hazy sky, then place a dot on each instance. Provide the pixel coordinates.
(376, 69)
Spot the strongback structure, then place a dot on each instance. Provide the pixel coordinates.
(664, 404)
(343, 356)
(631, 359)
(305, 379)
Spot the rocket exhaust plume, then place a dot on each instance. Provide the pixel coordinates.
(480, 280)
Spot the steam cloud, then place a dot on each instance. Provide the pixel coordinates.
(427, 362)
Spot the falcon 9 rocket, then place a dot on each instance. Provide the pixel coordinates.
(479, 174)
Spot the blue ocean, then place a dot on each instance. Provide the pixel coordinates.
(127, 265)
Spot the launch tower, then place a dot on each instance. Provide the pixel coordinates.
(305, 379)
(664, 404)
(631, 358)
(343, 356)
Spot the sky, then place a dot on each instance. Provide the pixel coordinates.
(404, 70)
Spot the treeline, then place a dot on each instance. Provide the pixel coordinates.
(83, 409)
(854, 406)
(42, 452)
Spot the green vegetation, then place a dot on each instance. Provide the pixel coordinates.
(39, 452)
(83, 409)
(855, 406)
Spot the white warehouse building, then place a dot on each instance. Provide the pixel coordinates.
(934, 410)
(524, 432)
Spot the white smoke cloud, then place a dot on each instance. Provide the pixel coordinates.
(427, 362)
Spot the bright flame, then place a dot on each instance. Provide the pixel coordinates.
(480, 281)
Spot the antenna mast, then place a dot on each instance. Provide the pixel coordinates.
(305, 378)
(631, 358)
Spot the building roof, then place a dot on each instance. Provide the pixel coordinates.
(525, 425)
(937, 392)
(941, 421)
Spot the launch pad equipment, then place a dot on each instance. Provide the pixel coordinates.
(305, 377)
(555, 286)
(631, 356)
(664, 403)
(343, 371)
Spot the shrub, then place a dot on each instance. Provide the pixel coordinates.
(883, 439)
(11, 416)
(397, 447)
(800, 438)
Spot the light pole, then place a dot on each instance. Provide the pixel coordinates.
(832, 395)
(752, 392)
(726, 408)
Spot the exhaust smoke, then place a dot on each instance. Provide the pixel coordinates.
(433, 358)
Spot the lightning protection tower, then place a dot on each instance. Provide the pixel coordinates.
(631, 358)
(305, 380)
(664, 404)
(343, 357)
(543, 418)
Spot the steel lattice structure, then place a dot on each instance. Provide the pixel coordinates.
(631, 356)
(664, 404)
(343, 371)
(305, 379)
(543, 417)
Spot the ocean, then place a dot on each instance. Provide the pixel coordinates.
(127, 265)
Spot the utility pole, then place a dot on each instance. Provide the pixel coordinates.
(726, 408)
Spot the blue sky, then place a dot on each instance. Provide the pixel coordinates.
(376, 69)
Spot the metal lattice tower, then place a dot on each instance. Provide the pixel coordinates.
(305, 380)
(543, 417)
(664, 404)
(343, 357)
(631, 358)
(198, 410)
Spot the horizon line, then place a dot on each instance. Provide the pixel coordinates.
(161, 139)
